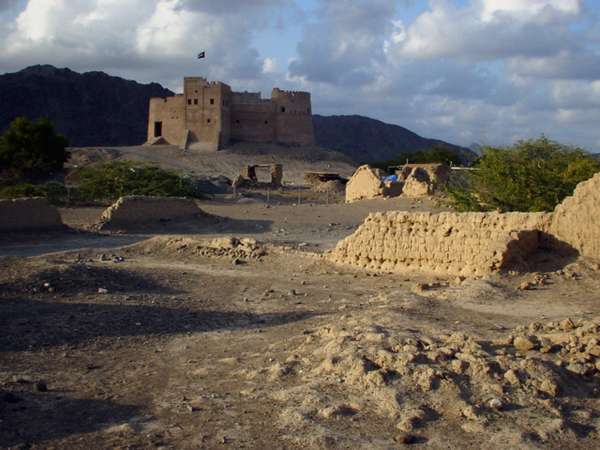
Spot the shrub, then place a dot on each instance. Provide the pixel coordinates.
(109, 181)
(31, 149)
(55, 192)
(532, 175)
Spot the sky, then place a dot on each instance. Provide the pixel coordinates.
(467, 71)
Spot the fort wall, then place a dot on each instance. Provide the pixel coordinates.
(208, 115)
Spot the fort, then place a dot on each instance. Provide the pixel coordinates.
(209, 115)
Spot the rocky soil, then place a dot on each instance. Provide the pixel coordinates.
(258, 341)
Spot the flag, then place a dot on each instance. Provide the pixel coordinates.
(201, 55)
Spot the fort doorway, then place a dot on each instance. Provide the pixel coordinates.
(157, 129)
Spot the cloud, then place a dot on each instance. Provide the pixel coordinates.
(463, 70)
(154, 40)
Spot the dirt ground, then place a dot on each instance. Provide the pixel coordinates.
(177, 341)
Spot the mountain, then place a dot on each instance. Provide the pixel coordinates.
(367, 140)
(90, 109)
(96, 109)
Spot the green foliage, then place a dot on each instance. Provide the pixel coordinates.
(31, 149)
(55, 192)
(109, 181)
(532, 175)
(435, 154)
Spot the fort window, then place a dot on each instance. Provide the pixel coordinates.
(195, 101)
(212, 101)
(283, 109)
(189, 101)
(266, 122)
(207, 120)
(157, 129)
(237, 121)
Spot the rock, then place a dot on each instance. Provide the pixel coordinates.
(496, 403)
(524, 343)
(511, 376)
(567, 325)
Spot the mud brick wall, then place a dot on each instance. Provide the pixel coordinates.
(576, 220)
(143, 210)
(28, 214)
(443, 243)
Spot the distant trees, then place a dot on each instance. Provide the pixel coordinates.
(31, 150)
(435, 154)
(531, 175)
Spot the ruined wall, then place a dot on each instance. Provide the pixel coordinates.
(134, 211)
(576, 220)
(365, 183)
(28, 214)
(443, 243)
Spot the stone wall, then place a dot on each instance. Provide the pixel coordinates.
(141, 211)
(28, 214)
(576, 220)
(442, 243)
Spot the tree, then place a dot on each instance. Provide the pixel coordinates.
(32, 149)
(532, 175)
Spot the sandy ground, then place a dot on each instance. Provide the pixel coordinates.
(178, 342)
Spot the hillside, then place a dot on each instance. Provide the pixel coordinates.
(91, 109)
(96, 109)
(366, 140)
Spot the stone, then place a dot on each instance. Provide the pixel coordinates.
(496, 403)
(511, 376)
(524, 343)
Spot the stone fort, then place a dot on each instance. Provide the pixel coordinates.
(209, 115)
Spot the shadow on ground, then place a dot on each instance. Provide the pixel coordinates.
(85, 279)
(33, 325)
(28, 418)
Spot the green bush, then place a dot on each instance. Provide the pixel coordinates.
(55, 192)
(109, 181)
(532, 175)
(31, 149)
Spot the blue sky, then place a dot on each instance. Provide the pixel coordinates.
(485, 71)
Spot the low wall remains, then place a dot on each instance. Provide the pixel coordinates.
(144, 211)
(473, 243)
(28, 214)
(442, 243)
(576, 220)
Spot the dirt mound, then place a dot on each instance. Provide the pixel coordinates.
(137, 213)
(538, 383)
(183, 247)
(28, 214)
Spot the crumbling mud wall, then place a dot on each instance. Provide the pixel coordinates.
(142, 211)
(576, 220)
(365, 183)
(470, 244)
(28, 214)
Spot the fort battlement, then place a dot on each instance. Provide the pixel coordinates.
(208, 115)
